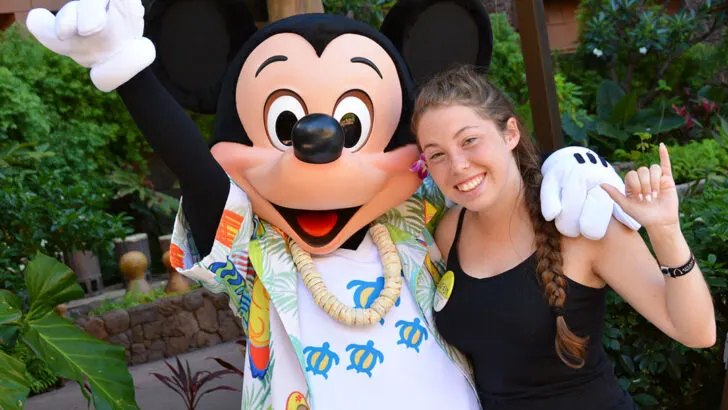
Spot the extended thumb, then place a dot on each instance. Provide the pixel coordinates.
(41, 23)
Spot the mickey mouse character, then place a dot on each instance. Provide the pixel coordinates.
(305, 211)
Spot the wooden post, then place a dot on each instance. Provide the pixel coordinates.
(278, 9)
(539, 74)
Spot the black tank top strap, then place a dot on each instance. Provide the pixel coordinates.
(453, 254)
(461, 216)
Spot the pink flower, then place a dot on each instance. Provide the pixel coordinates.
(681, 111)
(420, 167)
(708, 106)
(690, 123)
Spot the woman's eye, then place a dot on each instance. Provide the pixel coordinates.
(435, 156)
(469, 141)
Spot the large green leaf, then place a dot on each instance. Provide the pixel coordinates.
(577, 128)
(666, 123)
(14, 387)
(607, 129)
(608, 95)
(9, 307)
(50, 283)
(625, 108)
(654, 121)
(75, 354)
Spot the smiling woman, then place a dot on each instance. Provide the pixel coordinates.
(525, 303)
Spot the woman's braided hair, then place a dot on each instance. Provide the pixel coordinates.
(468, 86)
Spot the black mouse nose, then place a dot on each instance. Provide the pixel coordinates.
(317, 139)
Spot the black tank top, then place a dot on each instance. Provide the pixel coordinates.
(506, 328)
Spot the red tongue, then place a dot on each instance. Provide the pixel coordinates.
(317, 223)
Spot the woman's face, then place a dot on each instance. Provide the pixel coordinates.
(468, 157)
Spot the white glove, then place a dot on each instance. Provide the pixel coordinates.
(104, 35)
(571, 193)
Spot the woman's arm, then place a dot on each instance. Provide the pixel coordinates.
(681, 306)
(175, 138)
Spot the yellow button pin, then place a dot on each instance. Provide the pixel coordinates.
(444, 290)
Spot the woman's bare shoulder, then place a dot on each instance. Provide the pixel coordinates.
(445, 231)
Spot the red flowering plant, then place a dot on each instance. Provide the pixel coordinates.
(702, 112)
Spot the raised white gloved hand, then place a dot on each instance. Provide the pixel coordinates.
(571, 193)
(104, 35)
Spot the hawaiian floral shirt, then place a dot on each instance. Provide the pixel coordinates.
(251, 262)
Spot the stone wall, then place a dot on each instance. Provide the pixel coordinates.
(167, 327)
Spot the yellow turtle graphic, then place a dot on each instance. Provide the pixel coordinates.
(364, 357)
(412, 333)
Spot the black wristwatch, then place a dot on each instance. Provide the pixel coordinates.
(681, 270)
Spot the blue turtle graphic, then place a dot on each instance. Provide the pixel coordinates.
(364, 357)
(320, 359)
(412, 334)
(367, 292)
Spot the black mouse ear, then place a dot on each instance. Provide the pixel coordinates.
(433, 35)
(195, 42)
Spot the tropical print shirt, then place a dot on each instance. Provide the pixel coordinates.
(251, 262)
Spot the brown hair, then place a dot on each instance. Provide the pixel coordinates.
(468, 86)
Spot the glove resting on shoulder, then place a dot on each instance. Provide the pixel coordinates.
(571, 193)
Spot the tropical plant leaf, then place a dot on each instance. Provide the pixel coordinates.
(9, 335)
(14, 386)
(228, 365)
(50, 283)
(625, 109)
(667, 123)
(572, 129)
(10, 309)
(608, 96)
(609, 130)
(76, 355)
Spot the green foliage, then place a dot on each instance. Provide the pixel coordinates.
(13, 385)
(690, 162)
(508, 73)
(645, 48)
(131, 299)
(371, 12)
(49, 211)
(40, 377)
(618, 119)
(507, 70)
(70, 352)
(72, 161)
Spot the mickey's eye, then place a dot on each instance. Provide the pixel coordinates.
(282, 110)
(354, 113)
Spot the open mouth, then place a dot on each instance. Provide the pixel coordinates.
(317, 228)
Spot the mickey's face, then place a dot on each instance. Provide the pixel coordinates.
(319, 125)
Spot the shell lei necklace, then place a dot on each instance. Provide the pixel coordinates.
(331, 304)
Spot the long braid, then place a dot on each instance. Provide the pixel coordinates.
(570, 347)
(467, 85)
